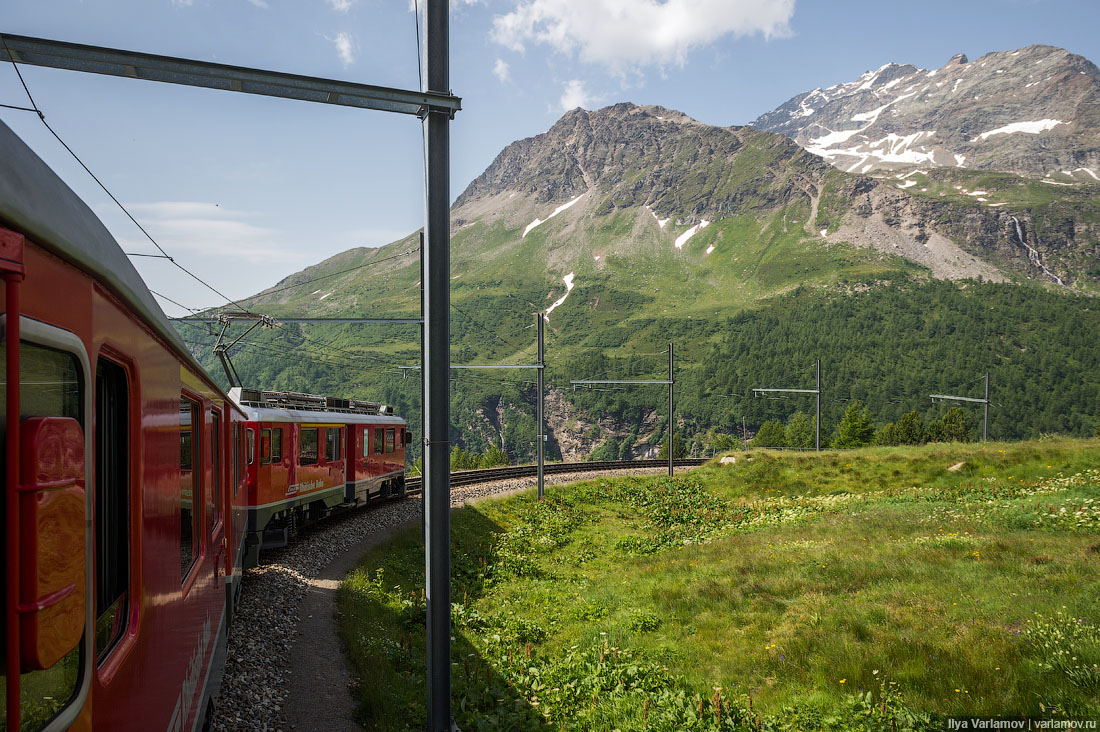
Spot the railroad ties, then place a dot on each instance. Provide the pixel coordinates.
(470, 477)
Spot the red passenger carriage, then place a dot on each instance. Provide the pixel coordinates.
(308, 455)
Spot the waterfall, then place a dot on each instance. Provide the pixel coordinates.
(1033, 254)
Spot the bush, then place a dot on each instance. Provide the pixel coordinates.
(800, 431)
(678, 450)
(770, 434)
(855, 429)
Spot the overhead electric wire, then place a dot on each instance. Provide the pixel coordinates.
(165, 297)
(336, 274)
(163, 253)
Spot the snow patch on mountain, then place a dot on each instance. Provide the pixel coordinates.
(1031, 128)
(683, 238)
(568, 279)
(557, 211)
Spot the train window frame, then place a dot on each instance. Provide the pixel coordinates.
(265, 446)
(113, 519)
(390, 447)
(303, 459)
(249, 446)
(277, 442)
(236, 458)
(36, 333)
(332, 444)
(196, 467)
(214, 495)
(378, 440)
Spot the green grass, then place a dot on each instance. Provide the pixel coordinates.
(852, 590)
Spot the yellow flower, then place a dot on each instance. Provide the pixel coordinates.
(843, 680)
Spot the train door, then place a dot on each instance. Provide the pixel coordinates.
(46, 547)
(334, 456)
(215, 513)
(377, 453)
(355, 436)
(278, 474)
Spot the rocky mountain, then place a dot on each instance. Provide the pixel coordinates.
(668, 178)
(1033, 111)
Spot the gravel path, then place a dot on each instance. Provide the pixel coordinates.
(285, 669)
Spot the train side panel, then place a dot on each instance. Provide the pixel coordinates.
(161, 508)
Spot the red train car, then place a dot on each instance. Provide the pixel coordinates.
(308, 455)
(124, 481)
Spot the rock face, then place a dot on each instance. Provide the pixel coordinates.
(666, 166)
(1033, 111)
(650, 156)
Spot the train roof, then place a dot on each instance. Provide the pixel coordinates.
(288, 406)
(37, 203)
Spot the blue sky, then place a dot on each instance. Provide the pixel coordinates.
(246, 190)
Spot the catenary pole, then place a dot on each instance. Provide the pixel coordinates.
(437, 493)
(985, 421)
(817, 419)
(540, 431)
(671, 422)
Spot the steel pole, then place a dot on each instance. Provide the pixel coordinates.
(436, 404)
(540, 431)
(671, 421)
(817, 421)
(985, 421)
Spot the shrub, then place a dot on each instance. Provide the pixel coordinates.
(855, 428)
(770, 434)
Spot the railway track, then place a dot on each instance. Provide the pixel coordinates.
(470, 477)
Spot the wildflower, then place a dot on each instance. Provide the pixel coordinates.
(843, 680)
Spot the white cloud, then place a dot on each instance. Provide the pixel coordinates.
(260, 4)
(345, 47)
(341, 6)
(207, 230)
(182, 2)
(502, 71)
(575, 95)
(624, 35)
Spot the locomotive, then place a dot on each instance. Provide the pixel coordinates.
(135, 489)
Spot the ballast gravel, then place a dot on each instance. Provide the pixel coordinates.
(266, 628)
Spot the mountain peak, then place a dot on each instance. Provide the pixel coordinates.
(1031, 111)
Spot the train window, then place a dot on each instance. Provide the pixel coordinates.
(389, 439)
(277, 445)
(51, 385)
(366, 441)
(307, 454)
(332, 444)
(112, 503)
(265, 447)
(236, 459)
(190, 470)
(250, 445)
(214, 499)
(377, 440)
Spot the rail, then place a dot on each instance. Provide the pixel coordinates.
(470, 477)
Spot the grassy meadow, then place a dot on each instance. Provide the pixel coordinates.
(872, 589)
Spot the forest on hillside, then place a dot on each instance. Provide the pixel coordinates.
(887, 347)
